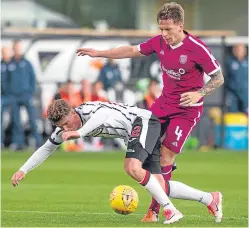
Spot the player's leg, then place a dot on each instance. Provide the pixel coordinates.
(4, 105)
(167, 159)
(161, 113)
(166, 168)
(232, 102)
(177, 132)
(133, 168)
(152, 164)
(27, 101)
(140, 146)
(213, 200)
(17, 127)
(178, 190)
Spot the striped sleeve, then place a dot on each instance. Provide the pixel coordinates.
(205, 58)
(55, 137)
(97, 119)
(39, 156)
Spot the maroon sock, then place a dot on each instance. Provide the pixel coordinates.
(155, 206)
(145, 179)
(166, 171)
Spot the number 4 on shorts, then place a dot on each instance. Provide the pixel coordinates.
(178, 132)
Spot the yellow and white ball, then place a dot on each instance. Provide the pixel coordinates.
(124, 199)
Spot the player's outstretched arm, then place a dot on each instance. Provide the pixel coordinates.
(217, 79)
(114, 53)
(35, 160)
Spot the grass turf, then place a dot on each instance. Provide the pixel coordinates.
(72, 190)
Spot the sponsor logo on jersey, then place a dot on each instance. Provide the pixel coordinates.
(174, 74)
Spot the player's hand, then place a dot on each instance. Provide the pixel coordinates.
(17, 177)
(189, 98)
(87, 51)
(70, 135)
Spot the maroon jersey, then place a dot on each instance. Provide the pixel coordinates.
(183, 65)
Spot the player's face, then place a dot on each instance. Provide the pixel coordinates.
(71, 122)
(239, 51)
(5, 53)
(171, 32)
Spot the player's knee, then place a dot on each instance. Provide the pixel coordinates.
(133, 168)
(167, 156)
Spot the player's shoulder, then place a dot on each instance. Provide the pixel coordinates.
(154, 39)
(197, 43)
(90, 105)
(157, 37)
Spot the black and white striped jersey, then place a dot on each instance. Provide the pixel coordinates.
(115, 119)
(103, 119)
(100, 119)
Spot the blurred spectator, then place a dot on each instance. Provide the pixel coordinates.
(66, 91)
(7, 99)
(110, 74)
(152, 94)
(84, 94)
(237, 80)
(98, 93)
(22, 86)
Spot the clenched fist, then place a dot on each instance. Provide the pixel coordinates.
(70, 135)
(17, 177)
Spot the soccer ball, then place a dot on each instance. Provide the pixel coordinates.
(124, 199)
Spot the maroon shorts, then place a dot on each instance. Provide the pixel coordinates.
(177, 122)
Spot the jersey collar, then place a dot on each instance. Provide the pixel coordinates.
(181, 43)
(82, 122)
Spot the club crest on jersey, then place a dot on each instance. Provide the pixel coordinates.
(183, 59)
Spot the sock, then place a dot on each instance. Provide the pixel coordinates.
(179, 190)
(155, 206)
(167, 172)
(152, 185)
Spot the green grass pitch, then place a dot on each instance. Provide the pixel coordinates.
(72, 190)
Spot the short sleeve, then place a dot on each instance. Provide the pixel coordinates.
(147, 48)
(207, 61)
(56, 138)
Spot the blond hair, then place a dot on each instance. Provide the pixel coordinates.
(173, 11)
(57, 110)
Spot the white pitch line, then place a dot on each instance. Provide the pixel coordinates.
(107, 213)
